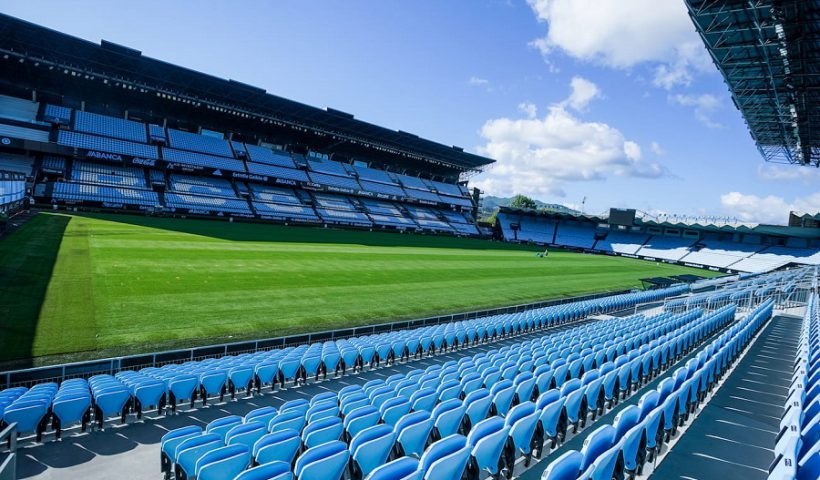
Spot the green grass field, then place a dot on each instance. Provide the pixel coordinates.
(86, 286)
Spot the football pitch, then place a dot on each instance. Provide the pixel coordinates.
(88, 286)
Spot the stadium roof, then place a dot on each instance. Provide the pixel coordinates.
(34, 44)
(769, 54)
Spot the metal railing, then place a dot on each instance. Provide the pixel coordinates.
(57, 373)
(8, 467)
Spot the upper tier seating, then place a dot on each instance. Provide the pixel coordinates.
(157, 134)
(105, 144)
(622, 242)
(202, 160)
(109, 126)
(374, 175)
(327, 166)
(581, 235)
(334, 180)
(19, 109)
(57, 114)
(199, 143)
(270, 157)
(92, 173)
(669, 248)
(382, 188)
(277, 171)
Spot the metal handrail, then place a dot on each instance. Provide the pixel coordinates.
(8, 468)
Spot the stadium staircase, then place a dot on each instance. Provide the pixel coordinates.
(733, 436)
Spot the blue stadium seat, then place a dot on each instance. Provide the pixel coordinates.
(413, 432)
(487, 439)
(371, 448)
(445, 459)
(279, 446)
(267, 471)
(222, 463)
(323, 462)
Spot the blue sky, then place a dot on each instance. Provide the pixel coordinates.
(613, 100)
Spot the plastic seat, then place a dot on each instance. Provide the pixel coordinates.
(359, 419)
(323, 462)
(447, 417)
(293, 419)
(221, 426)
(263, 415)
(393, 409)
(445, 459)
(477, 405)
(413, 431)
(404, 468)
(267, 471)
(191, 450)
(486, 440)
(599, 441)
(246, 434)
(280, 446)
(222, 463)
(565, 467)
(522, 420)
(170, 441)
(322, 431)
(370, 448)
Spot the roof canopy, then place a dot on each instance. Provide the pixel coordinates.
(33, 44)
(769, 54)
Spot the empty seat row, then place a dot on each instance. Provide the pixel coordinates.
(170, 385)
(797, 448)
(399, 414)
(638, 432)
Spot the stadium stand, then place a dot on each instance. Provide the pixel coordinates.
(107, 195)
(90, 173)
(719, 254)
(19, 109)
(104, 144)
(106, 126)
(669, 248)
(575, 235)
(270, 157)
(622, 242)
(198, 143)
(12, 190)
(202, 160)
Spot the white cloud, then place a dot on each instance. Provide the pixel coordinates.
(529, 109)
(656, 148)
(769, 209)
(788, 173)
(478, 82)
(704, 106)
(625, 33)
(583, 92)
(536, 156)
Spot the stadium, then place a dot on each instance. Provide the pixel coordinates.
(200, 279)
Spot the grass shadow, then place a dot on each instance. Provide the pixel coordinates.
(242, 231)
(27, 259)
